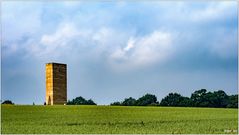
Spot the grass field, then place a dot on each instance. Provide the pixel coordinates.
(113, 119)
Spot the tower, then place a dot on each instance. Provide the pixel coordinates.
(56, 84)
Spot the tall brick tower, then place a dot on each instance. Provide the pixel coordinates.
(56, 84)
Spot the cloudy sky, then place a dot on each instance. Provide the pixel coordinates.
(115, 50)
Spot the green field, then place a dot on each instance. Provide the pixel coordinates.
(116, 119)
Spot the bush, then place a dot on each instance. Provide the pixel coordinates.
(81, 101)
(8, 102)
(115, 104)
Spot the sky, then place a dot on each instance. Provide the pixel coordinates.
(115, 50)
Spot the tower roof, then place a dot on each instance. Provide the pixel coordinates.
(54, 63)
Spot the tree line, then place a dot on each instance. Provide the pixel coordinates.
(199, 98)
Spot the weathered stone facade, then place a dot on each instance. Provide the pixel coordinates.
(56, 84)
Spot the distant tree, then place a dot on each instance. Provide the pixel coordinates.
(80, 101)
(186, 102)
(233, 101)
(33, 103)
(115, 104)
(202, 98)
(147, 100)
(175, 99)
(8, 102)
(199, 97)
(90, 102)
(129, 102)
(220, 98)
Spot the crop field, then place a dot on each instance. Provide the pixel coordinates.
(116, 119)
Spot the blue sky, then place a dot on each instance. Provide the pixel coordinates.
(115, 50)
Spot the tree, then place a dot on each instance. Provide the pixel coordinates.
(129, 102)
(175, 99)
(202, 98)
(91, 102)
(198, 98)
(81, 101)
(220, 99)
(233, 101)
(147, 99)
(8, 102)
(115, 104)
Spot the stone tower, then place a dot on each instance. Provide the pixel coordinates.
(56, 84)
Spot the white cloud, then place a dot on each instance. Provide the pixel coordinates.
(61, 36)
(118, 54)
(20, 19)
(143, 51)
(137, 51)
(212, 11)
(55, 44)
(130, 44)
(69, 37)
(103, 33)
(71, 4)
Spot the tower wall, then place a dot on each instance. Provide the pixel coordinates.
(56, 83)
